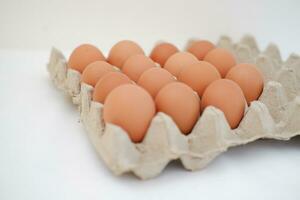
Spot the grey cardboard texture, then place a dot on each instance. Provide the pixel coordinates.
(275, 115)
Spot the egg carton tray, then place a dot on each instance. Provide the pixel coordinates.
(275, 115)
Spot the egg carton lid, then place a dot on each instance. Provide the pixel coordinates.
(274, 115)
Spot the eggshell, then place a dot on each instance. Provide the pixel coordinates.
(107, 83)
(227, 96)
(130, 107)
(135, 65)
(222, 59)
(154, 79)
(121, 51)
(178, 61)
(95, 71)
(200, 48)
(249, 78)
(181, 103)
(199, 75)
(162, 52)
(84, 55)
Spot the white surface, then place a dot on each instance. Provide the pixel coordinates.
(44, 152)
(41, 24)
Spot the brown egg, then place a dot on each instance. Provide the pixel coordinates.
(95, 71)
(154, 79)
(178, 61)
(199, 75)
(84, 55)
(130, 107)
(135, 65)
(121, 51)
(222, 59)
(249, 79)
(200, 48)
(227, 96)
(181, 103)
(107, 83)
(162, 52)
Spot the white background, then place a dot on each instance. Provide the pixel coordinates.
(44, 152)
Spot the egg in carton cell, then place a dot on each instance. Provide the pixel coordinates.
(275, 115)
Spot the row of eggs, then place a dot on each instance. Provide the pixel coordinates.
(133, 86)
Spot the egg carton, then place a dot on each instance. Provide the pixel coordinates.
(275, 115)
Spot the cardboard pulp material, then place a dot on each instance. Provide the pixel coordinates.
(275, 115)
